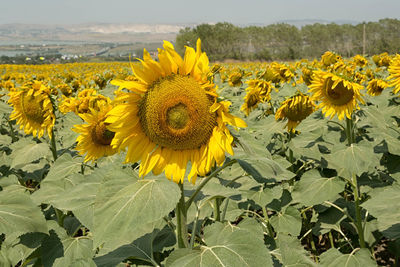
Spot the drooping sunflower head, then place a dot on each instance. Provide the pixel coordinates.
(394, 77)
(95, 139)
(170, 116)
(33, 108)
(336, 94)
(295, 109)
(306, 75)
(258, 91)
(376, 86)
(360, 61)
(235, 79)
(382, 60)
(330, 58)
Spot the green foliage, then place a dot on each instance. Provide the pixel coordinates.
(226, 245)
(286, 42)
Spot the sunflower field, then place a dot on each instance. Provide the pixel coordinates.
(176, 161)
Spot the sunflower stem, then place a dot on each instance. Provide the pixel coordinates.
(269, 227)
(331, 239)
(206, 180)
(217, 210)
(359, 225)
(358, 221)
(193, 235)
(349, 131)
(12, 132)
(181, 225)
(53, 145)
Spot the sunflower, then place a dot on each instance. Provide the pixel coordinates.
(258, 91)
(337, 95)
(394, 77)
(171, 116)
(95, 139)
(360, 61)
(33, 109)
(295, 109)
(330, 58)
(376, 86)
(235, 79)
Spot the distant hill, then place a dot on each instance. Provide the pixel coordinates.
(12, 34)
(87, 33)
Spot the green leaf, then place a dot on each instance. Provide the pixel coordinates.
(264, 197)
(128, 210)
(29, 154)
(19, 215)
(57, 179)
(264, 169)
(386, 215)
(312, 189)
(290, 252)
(287, 221)
(142, 248)
(359, 258)
(227, 245)
(357, 158)
(59, 249)
(5, 140)
(5, 108)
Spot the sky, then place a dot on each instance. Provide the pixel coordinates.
(186, 11)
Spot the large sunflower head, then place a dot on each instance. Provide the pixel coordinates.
(33, 108)
(171, 116)
(394, 77)
(336, 94)
(295, 109)
(95, 139)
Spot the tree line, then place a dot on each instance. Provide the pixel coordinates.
(285, 42)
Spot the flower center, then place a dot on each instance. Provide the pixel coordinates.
(32, 108)
(100, 135)
(178, 116)
(175, 113)
(340, 95)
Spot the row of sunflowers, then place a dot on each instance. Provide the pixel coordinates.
(184, 118)
(335, 84)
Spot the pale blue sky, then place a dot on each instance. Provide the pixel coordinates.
(186, 11)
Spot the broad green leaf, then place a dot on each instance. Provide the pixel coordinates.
(327, 220)
(127, 210)
(287, 221)
(264, 197)
(57, 180)
(264, 169)
(386, 215)
(81, 197)
(227, 245)
(359, 258)
(29, 154)
(312, 189)
(5, 108)
(19, 215)
(19, 249)
(290, 252)
(60, 250)
(142, 248)
(357, 158)
(5, 140)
